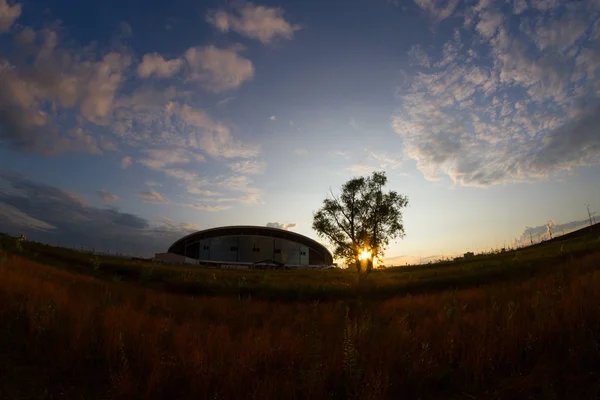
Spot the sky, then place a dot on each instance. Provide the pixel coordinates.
(125, 125)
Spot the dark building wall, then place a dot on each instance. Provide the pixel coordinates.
(252, 244)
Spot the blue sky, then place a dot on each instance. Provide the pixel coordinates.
(124, 125)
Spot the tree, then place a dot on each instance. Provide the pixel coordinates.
(362, 218)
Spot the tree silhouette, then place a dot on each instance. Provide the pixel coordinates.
(362, 218)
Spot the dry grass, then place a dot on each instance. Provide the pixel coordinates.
(70, 336)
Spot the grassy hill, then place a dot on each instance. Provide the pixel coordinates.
(520, 324)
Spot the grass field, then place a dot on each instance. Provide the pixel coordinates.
(521, 324)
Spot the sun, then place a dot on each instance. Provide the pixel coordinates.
(365, 255)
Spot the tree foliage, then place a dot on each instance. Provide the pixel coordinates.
(363, 216)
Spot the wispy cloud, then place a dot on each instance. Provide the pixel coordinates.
(126, 162)
(361, 169)
(286, 227)
(152, 196)
(500, 111)
(438, 9)
(257, 22)
(160, 158)
(155, 64)
(107, 196)
(219, 70)
(252, 167)
(24, 209)
(8, 15)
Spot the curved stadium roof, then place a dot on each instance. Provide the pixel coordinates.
(241, 230)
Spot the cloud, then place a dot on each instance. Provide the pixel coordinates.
(386, 161)
(272, 118)
(252, 167)
(152, 196)
(159, 158)
(219, 70)
(155, 64)
(10, 215)
(8, 15)
(438, 9)
(538, 233)
(502, 110)
(107, 144)
(277, 225)
(339, 153)
(361, 169)
(43, 81)
(210, 208)
(106, 196)
(257, 22)
(24, 209)
(126, 162)
(239, 183)
(519, 6)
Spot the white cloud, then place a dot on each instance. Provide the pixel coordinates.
(42, 81)
(160, 158)
(210, 208)
(152, 196)
(217, 69)
(386, 161)
(544, 5)
(169, 225)
(126, 162)
(8, 15)
(277, 225)
(213, 138)
(107, 144)
(84, 142)
(257, 22)
(240, 183)
(195, 188)
(519, 6)
(252, 167)
(101, 88)
(361, 169)
(155, 64)
(272, 118)
(339, 153)
(300, 151)
(505, 113)
(107, 196)
(438, 9)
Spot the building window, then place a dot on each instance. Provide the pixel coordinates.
(277, 251)
(302, 253)
(204, 247)
(233, 248)
(256, 249)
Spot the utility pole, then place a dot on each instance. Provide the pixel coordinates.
(589, 215)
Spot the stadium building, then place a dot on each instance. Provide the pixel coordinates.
(247, 245)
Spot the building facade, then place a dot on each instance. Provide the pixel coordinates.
(252, 244)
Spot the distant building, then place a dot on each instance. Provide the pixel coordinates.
(247, 245)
